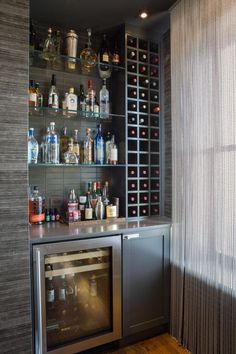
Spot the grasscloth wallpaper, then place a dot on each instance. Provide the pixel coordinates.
(203, 249)
(15, 318)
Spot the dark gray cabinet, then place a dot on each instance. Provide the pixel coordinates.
(145, 280)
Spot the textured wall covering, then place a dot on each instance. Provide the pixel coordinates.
(203, 248)
(15, 318)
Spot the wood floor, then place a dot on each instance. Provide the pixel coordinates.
(162, 344)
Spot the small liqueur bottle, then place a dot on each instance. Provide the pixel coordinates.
(69, 156)
(32, 94)
(53, 96)
(33, 147)
(49, 49)
(88, 208)
(88, 148)
(52, 215)
(57, 215)
(104, 101)
(47, 215)
(72, 102)
(99, 146)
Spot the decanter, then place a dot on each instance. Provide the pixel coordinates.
(88, 56)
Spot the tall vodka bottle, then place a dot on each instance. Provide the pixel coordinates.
(54, 144)
(99, 146)
(104, 101)
(53, 96)
(33, 147)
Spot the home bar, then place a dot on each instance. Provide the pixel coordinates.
(118, 193)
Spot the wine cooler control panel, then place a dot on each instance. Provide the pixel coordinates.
(143, 127)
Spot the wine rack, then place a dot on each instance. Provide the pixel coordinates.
(143, 127)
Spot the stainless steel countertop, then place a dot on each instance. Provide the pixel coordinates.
(54, 232)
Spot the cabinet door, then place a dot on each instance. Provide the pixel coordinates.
(145, 280)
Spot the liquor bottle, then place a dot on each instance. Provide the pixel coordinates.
(90, 97)
(72, 102)
(69, 156)
(104, 67)
(81, 99)
(99, 146)
(99, 209)
(45, 147)
(33, 147)
(32, 94)
(73, 213)
(53, 96)
(49, 50)
(88, 208)
(64, 106)
(36, 207)
(114, 152)
(105, 194)
(64, 141)
(50, 294)
(104, 101)
(94, 198)
(96, 108)
(39, 96)
(116, 55)
(88, 56)
(107, 147)
(88, 147)
(54, 144)
(76, 145)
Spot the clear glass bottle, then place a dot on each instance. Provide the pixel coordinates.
(36, 207)
(104, 101)
(90, 97)
(72, 102)
(113, 152)
(33, 147)
(99, 146)
(72, 207)
(49, 49)
(54, 145)
(53, 96)
(69, 156)
(88, 56)
(76, 145)
(88, 148)
(88, 207)
(104, 61)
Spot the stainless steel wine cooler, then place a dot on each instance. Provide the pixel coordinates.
(77, 294)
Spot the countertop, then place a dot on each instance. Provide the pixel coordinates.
(54, 232)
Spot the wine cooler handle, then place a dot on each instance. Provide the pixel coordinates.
(39, 320)
(130, 237)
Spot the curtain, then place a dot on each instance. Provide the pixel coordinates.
(203, 242)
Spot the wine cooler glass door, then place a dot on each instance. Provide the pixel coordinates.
(77, 294)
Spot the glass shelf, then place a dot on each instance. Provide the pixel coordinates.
(64, 114)
(60, 63)
(35, 165)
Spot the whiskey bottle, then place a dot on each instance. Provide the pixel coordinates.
(88, 148)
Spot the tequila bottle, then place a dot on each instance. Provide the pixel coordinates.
(69, 156)
(88, 56)
(33, 147)
(72, 102)
(88, 147)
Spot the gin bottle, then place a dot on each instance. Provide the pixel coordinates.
(33, 147)
(99, 146)
(54, 145)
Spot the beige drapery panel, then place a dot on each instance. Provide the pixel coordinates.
(203, 244)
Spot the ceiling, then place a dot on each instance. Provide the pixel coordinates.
(98, 14)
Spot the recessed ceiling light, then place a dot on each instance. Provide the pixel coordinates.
(143, 14)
